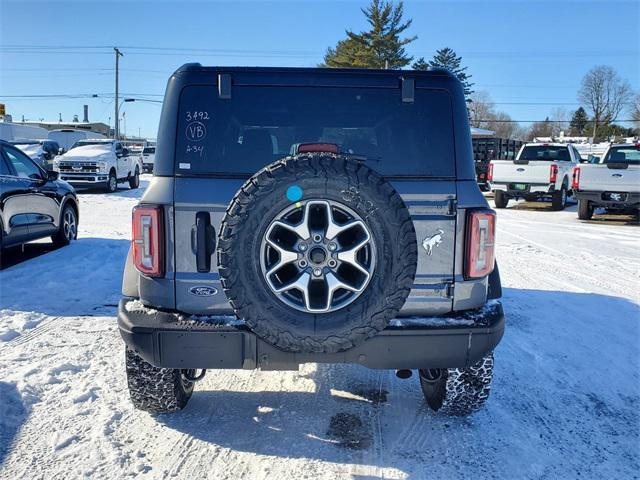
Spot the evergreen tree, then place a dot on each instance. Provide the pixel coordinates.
(447, 58)
(579, 121)
(420, 64)
(379, 47)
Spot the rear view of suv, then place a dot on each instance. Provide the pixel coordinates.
(312, 215)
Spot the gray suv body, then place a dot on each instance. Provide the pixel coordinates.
(355, 192)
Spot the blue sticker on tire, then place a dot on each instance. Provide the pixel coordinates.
(294, 193)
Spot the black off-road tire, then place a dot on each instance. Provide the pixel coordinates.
(329, 177)
(585, 210)
(500, 198)
(458, 391)
(559, 199)
(112, 183)
(134, 182)
(153, 389)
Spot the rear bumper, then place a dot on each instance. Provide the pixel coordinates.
(530, 189)
(173, 340)
(604, 199)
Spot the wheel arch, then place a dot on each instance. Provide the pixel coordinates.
(69, 200)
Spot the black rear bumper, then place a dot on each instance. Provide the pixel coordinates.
(173, 340)
(604, 199)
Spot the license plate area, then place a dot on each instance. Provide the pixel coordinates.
(614, 197)
(522, 187)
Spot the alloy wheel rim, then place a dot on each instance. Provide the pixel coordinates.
(69, 225)
(317, 256)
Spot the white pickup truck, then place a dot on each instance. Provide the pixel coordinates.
(611, 181)
(99, 163)
(539, 171)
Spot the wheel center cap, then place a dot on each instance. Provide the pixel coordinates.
(317, 255)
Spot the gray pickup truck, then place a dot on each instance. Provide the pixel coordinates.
(304, 215)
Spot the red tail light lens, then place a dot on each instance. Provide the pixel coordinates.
(480, 247)
(490, 172)
(148, 232)
(575, 183)
(553, 174)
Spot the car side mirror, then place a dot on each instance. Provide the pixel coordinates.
(52, 175)
(61, 151)
(125, 152)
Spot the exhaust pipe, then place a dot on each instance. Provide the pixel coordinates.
(404, 373)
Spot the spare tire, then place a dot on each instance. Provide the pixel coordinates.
(317, 252)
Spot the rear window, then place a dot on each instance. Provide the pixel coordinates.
(629, 154)
(259, 125)
(545, 152)
(149, 150)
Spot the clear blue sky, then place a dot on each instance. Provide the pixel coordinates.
(520, 52)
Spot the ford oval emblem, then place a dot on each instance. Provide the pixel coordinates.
(203, 291)
(520, 170)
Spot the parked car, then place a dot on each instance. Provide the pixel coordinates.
(41, 151)
(67, 137)
(323, 229)
(34, 203)
(148, 158)
(99, 163)
(541, 171)
(611, 181)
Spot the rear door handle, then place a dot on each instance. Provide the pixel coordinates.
(203, 241)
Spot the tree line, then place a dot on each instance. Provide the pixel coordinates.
(603, 94)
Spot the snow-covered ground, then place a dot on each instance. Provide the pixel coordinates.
(565, 400)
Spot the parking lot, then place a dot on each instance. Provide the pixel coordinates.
(565, 399)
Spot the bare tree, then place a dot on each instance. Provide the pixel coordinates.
(562, 118)
(605, 94)
(483, 114)
(635, 110)
(480, 108)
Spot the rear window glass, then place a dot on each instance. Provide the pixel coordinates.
(259, 125)
(623, 155)
(149, 150)
(545, 152)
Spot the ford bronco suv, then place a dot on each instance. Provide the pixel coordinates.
(304, 215)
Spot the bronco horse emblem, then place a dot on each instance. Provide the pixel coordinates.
(433, 241)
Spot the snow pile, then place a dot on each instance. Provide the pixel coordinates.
(565, 401)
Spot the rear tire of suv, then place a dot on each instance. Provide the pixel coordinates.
(585, 210)
(153, 389)
(500, 198)
(68, 229)
(112, 183)
(134, 182)
(458, 391)
(352, 189)
(559, 199)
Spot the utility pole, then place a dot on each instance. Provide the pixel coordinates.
(117, 126)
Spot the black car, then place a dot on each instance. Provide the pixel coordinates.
(33, 202)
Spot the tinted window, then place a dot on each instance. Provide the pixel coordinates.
(545, 152)
(149, 150)
(4, 168)
(630, 154)
(261, 124)
(22, 164)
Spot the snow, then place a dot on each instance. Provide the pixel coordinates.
(565, 400)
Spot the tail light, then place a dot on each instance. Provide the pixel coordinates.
(553, 173)
(148, 232)
(490, 172)
(480, 246)
(575, 182)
